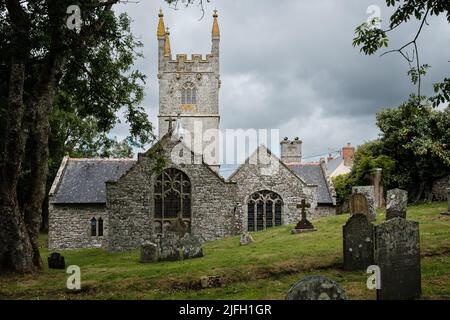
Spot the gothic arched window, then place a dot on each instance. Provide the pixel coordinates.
(188, 93)
(264, 210)
(172, 199)
(93, 227)
(100, 227)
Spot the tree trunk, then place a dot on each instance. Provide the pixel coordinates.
(15, 247)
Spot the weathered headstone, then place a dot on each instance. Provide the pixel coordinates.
(397, 201)
(246, 239)
(448, 203)
(397, 253)
(56, 261)
(172, 248)
(358, 243)
(369, 193)
(358, 204)
(304, 225)
(316, 288)
(191, 246)
(149, 252)
(169, 247)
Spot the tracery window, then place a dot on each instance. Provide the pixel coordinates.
(188, 94)
(172, 199)
(264, 210)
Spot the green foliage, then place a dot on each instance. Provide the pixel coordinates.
(413, 151)
(343, 185)
(372, 39)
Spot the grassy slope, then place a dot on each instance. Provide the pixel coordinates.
(264, 270)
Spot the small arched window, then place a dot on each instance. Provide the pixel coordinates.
(188, 94)
(93, 227)
(100, 227)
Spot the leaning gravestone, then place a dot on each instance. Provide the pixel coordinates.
(397, 253)
(397, 201)
(369, 193)
(149, 252)
(316, 288)
(358, 243)
(56, 261)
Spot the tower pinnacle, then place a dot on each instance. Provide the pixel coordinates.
(161, 33)
(167, 51)
(215, 29)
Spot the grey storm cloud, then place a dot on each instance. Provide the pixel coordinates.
(290, 65)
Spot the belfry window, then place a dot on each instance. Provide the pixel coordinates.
(172, 199)
(188, 93)
(264, 210)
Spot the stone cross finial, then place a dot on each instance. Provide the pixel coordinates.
(170, 120)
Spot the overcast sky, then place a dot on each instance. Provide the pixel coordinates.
(290, 65)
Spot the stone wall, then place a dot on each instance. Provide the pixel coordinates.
(131, 206)
(70, 226)
(323, 211)
(439, 190)
(251, 177)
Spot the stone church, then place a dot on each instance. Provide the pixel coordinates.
(117, 204)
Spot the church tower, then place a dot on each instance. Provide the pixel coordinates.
(189, 92)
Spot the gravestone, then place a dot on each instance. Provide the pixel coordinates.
(149, 252)
(397, 253)
(191, 246)
(173, 248)
(169, 249)
(56, 261)
(316, 288)
(358, 243)
(448, 203)
(246, 239)
(369, 193)
(397, 201)
(304, 224)
(358, 204)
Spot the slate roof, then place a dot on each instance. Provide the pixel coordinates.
(313, 174)
(83, 180)
(334, 163)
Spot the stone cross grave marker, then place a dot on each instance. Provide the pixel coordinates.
(397, 253)
(316, 288)
(358, 243)
(304, 225)
(369, 193)
(397, 201)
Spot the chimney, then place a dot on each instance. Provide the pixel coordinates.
(348, 152)
(291, 151)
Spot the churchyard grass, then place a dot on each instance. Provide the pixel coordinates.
(263, 270)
